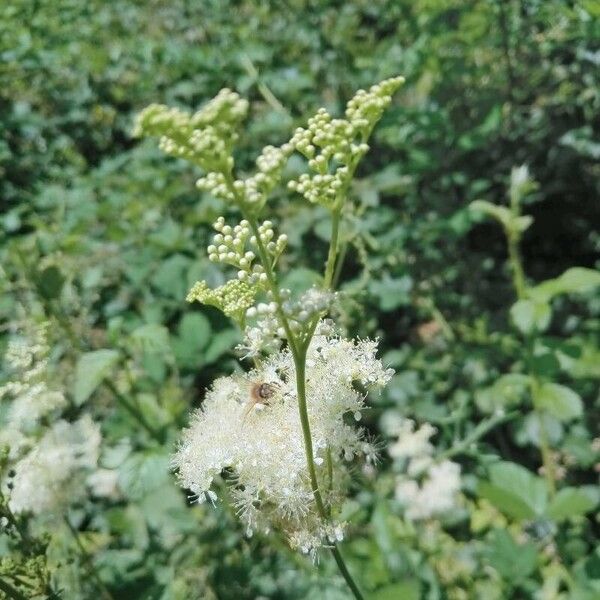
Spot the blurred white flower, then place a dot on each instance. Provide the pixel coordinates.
(53, 472)
(28, 390)
(104, 483)
(425, 488)
(260, 444)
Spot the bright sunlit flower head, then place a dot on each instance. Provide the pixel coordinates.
(256, 438)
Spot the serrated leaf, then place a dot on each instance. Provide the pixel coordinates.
(91, 369)
(513, 561)
(559, 401)
(571, 501)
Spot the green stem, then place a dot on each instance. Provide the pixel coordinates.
(87, 560)
(516, 265)
(339, 559)
(333, 248)
(10, 591)
(545, 449)
(133, 410)
(520, 285)
(477, 433)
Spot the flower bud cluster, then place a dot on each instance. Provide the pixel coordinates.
(230, 247)
(234, 298)
(367, 107)
(334, 147)
(204, 138)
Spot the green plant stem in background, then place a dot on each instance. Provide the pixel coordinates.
(88, 562)
(516, 264)
(10, 591)
(477, 433)
(520, 286)
(134, 411)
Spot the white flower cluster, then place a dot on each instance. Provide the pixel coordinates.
(29, 392)
(249, 427)
(334, 147)
(425, 488)
(48, 466)
(53, 473)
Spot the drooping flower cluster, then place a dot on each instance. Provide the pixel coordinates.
(425, 488)
(256, 438)
(53, 473)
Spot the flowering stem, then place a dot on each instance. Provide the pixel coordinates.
(299, 348)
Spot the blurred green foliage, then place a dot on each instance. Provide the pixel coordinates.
(102, 236)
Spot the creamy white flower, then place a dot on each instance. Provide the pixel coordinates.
(104, 483)
(52, 473)
(425, 488)
(435, 495)
(411, 443)
(29, 393)
(260, 444)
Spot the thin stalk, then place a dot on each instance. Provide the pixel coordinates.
(133, 410)
(87, 559)
(545, 449)
(339, 559)
(477, 433)
(520, 285)
(333, 248)
(516, 265)
(10, 591)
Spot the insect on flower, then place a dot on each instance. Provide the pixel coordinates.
(261, 394)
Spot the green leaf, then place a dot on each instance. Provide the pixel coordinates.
(392, 293)
(507, 390)
(502, 214)
(507, 502)
(409, 589)
(50, 282)
(515, 491)
(529, 316)
(152, 338)
(194, 333)
(571, 501)
(512, 561)
(577, 280)
(91, 369)
(560, 401)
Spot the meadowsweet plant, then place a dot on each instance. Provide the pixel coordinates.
(284, 433)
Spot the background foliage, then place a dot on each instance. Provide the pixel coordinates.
(103, 236)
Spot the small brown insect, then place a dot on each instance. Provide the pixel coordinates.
(261, 394)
